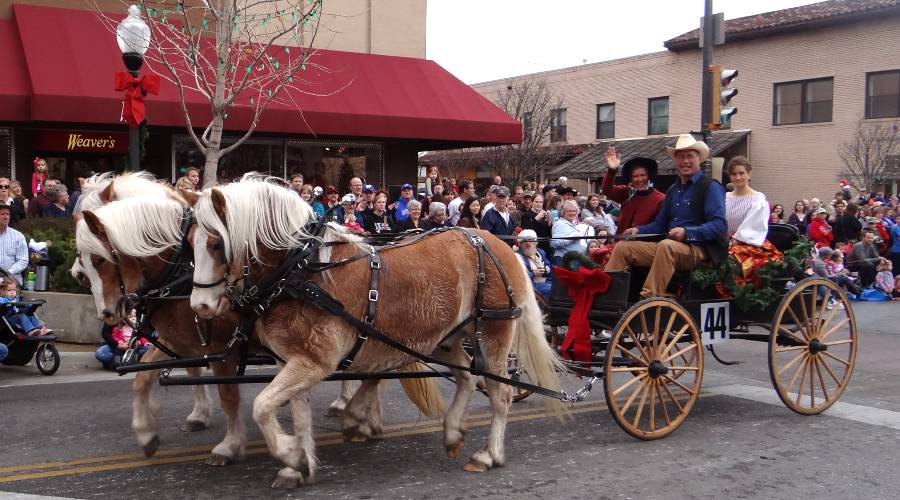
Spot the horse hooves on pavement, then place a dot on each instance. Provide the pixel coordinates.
(217, 460)
(193, 426)
(288, 478)
(455, 450)
(475, 467)
(151, 447)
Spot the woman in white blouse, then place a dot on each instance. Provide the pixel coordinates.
(747, 212)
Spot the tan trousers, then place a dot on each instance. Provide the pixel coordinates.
(663, 259)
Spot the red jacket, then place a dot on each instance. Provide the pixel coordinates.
(638, 210)
(820, 233)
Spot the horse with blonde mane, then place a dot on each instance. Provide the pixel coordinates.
(140, 219)
(256, 224)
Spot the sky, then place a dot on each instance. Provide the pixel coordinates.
(481, 40)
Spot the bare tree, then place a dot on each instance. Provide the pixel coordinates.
(239, 55)
(534, 104)
(873, 155)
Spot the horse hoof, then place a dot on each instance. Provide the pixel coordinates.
(193, 426)
(217, 460)
(151, 447)
(475, 467)
(455, 450)
(287, 482)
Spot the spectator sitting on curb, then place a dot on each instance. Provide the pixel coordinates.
(121, 335)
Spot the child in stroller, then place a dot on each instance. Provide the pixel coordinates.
(21, 318)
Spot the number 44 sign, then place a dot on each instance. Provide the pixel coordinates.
(714, 320)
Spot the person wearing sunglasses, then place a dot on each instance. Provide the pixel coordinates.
(16, 207)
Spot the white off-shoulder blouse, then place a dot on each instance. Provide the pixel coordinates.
(748, 217)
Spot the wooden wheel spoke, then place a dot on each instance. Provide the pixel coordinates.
(838, 342)
(684, 368)
(679, 353)
(797, 321)
(627, 384)
(679, 384)
(822, 308)
(807, 321)
(816, 362)
(790, 363)
(830, 372)
(827, 321)
(662, 403)
(628, 369)
(790, 384)
(834, 329)
(657, 334)
(653, 404)
(637, 343)
(644, 327)
(631, 355)
(668, 329)
(634, 395)
(839, 360)
(672, 397)
(802, 377)
(640, 406)
(812, 385)
(674, 340)
(791, 335)
(793, 348)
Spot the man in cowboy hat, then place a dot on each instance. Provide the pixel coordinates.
(640, 202)
(692, 219)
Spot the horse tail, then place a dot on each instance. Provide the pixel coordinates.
(423, 392)
(535, 356)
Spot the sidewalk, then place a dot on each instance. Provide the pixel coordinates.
(77, 364)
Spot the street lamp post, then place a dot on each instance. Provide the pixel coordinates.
(133, 37)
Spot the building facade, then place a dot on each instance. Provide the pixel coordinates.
(372, 112)
(809, 76)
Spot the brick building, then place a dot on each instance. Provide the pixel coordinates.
(808, 77)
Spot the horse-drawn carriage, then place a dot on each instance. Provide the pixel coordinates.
(649, 352)
(309, 293)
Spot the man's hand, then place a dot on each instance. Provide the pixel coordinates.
(677, 234)
(613, 160)
(631, 230)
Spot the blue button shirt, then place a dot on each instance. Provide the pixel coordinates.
(677, 212)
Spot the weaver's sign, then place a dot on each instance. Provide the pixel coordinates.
(62, 141)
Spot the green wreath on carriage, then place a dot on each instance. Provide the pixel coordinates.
(747, 296)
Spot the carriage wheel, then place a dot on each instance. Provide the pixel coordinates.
(654, 366)
(518, 393)
(812, 349)
(47, 359)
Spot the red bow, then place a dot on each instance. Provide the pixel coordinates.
(581, 285)
(134, 89)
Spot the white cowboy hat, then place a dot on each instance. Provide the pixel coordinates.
(527, 235)
(687, 141)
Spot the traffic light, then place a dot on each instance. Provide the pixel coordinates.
(720, 95)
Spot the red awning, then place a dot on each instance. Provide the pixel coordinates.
(15, 89)
(71, 57)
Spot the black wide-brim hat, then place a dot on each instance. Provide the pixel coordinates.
(647, 163)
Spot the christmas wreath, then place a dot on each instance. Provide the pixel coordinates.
(748, 296)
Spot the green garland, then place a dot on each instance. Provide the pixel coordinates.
(583, 259)
(749, 296)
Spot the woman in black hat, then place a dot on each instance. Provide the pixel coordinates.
(640, 202)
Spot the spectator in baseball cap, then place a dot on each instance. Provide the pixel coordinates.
(497, 220)
(399, 207)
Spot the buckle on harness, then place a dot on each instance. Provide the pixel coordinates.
(373, 295)
(375, 264)
(481, 278)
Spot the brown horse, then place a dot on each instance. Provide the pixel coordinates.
(115, 221)
(425, 290)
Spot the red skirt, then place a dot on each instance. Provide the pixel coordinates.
(751, 257)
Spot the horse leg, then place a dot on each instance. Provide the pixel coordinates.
(198, 420)
(454, 421)
(336, 408)
(232, 448)
(362, 416)
(500, 395)
(143, 416)
(292, 383)
(301, 411)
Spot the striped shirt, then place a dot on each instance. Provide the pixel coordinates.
(13, 253)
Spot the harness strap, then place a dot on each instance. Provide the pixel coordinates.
(375, 266)
(311, 292)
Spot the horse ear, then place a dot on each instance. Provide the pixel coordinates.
(189, 196)
(218, 202)
(106, 195)
(94, 224)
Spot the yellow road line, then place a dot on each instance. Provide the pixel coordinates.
(165, 456)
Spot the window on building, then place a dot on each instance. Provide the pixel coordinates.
(807, 101)
(658, 116)
(526, 126)
(606, 121)
(883, 94)
(558, 125)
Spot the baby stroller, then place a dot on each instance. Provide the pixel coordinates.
(23, 348)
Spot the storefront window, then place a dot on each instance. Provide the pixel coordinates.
(334, 163)
(255, 155)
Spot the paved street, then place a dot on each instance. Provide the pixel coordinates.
(69, 436)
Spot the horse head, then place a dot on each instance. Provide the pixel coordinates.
(123, 247)
(242, 229)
